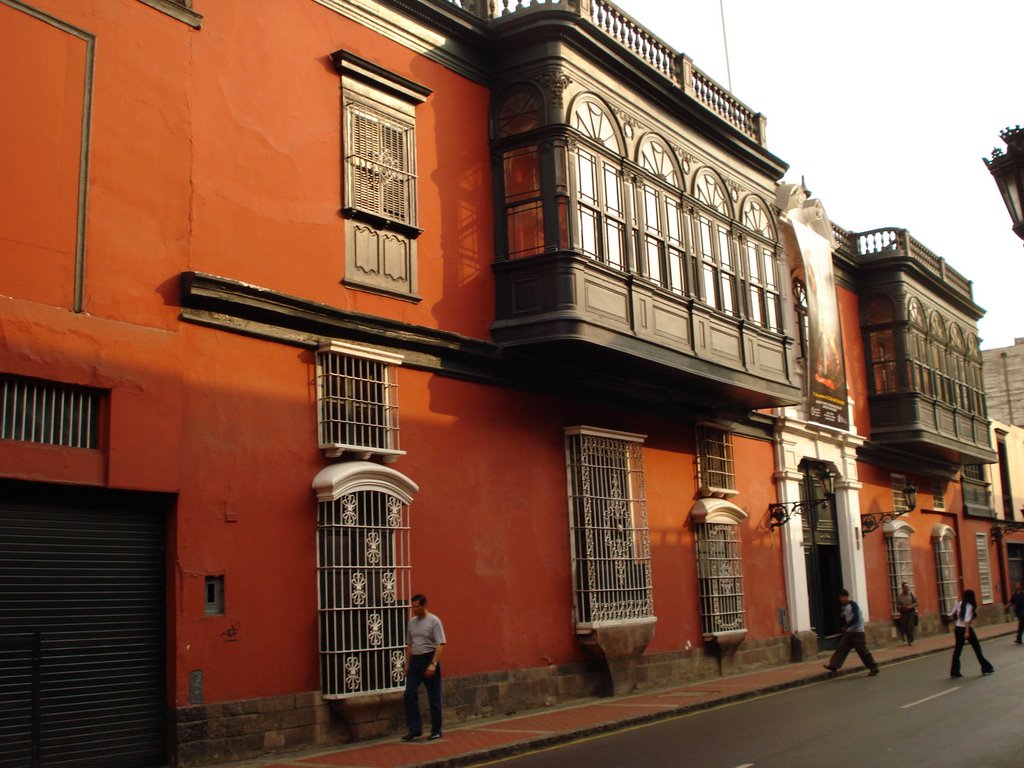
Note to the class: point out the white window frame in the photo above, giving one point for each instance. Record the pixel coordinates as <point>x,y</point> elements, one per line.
<point>984,569</point>
<point>716,532</point>
<point>357,401</point>
<point>899,560</point>
<point>716,467</point>
<point>946,580</point>
<point>364,577</point>
<point>609,537</point>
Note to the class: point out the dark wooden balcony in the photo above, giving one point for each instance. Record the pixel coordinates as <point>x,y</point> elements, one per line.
<point>915,422</point>
<point>572,311</point>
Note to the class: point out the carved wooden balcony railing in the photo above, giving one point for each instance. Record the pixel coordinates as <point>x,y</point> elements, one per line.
<point>634,37</point>
<point>890,241</point>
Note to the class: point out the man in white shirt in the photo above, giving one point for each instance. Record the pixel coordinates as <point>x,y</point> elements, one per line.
<point>425,643</point>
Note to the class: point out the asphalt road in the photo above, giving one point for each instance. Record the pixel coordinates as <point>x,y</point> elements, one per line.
<point>912,714</point>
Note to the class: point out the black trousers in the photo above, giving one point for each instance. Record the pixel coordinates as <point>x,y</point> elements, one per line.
<point>417,675</point>
<point>857,642</point>
<point>960,634</point>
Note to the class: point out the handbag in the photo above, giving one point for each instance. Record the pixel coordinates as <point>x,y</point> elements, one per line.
<point>917,619</point>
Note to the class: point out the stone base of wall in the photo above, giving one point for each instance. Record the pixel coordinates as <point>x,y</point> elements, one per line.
<point>238,730</point>
<point>247,729</point>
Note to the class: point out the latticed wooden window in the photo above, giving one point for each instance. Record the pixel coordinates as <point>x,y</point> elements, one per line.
<point>357,400</point>
<point>901,567</point>
<point>364,587</point>
<point>720,573</point>
<point>609,535</point>
<point>381,171</point>
<point>984,568</point>
<point>945,572</point>
<point>899,496</point>
<point>716,471</point>
<point>50,413</point>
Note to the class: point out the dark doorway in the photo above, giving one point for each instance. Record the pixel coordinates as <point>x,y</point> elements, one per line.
<point>1015,563</point>
<point>821,555</point>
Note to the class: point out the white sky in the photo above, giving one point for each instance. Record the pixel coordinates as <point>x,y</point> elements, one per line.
<point>886,108</point>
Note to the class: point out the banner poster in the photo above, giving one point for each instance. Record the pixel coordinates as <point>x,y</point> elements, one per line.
<point>827,393</point>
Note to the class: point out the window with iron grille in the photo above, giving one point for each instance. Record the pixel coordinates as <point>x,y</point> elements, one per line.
<point>380,177</point>
<point>364,586</point>
<point>938,494</point>
<point>608,522</point>
<point>899,498</point>
<point>720,573</point>
<point>901,567</point>
<point>945,571</point>
<point>984,568</point>
<point>46,412</point>
<point>716,474</point>
<point>357,401</point>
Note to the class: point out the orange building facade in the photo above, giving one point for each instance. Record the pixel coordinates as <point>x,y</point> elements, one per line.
<point>311,306</point>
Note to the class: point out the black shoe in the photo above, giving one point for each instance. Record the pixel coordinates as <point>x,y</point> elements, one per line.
<point>832,671</point>
<point>410,736</point>
<point>873,672</point>
<point>434,737</point>
<point>1016,642</point>
<point>987,671</point>
<point>956,675</point>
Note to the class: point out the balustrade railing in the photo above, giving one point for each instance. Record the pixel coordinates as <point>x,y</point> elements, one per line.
<point>634,37</point>
<point>901,241</point>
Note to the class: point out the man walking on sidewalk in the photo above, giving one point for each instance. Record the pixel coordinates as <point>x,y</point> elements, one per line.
<point>852,637</point>
<point>426,641</point>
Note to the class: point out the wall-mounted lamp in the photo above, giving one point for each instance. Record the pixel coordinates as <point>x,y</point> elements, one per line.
<point>872,520</point>
<point>780,514</point>
<point>1007,527</point>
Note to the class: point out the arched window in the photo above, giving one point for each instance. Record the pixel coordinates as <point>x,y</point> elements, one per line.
<point>879,314</point>
<point>898,554</point>
<point>800,306</point>
<point>762,273</point>
<point>714,245</point>
<point>945,567</point>
<point>518,113</point>
<point>663,258</point>
<point>364,576</point>
<point>600,199</point>
<point>521,177</point>
<point>716,529</point>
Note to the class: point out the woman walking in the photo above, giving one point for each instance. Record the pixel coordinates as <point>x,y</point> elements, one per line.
<point>964,612</point>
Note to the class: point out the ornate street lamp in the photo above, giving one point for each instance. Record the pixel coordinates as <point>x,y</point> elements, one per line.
<point>873,520</point>
<point>1007,168</point>
<point>779,513</point>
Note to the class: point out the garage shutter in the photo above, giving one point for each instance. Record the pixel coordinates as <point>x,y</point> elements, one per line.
<point>90,582</point>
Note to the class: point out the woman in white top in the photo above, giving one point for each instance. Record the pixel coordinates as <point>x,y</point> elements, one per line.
<point>964,612</point>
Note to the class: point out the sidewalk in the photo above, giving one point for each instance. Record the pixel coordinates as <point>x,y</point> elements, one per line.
<point>482,740</point>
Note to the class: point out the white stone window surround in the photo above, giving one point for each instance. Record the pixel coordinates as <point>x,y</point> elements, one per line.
<point>899,557</point>
<point>357,401</point>
<point>719,567</point>
<point>364,577</point>
<point>946,580</point>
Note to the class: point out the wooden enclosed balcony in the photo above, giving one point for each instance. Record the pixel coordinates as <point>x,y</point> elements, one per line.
<point>573,311</point>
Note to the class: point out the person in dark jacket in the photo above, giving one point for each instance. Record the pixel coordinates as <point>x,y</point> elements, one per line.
<point>1016,604</point>
<point>852,637</point>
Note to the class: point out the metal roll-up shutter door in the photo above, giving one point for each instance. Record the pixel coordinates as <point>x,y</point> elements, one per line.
<point>88,584</point>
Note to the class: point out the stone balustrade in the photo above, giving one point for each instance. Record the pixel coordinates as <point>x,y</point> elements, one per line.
<point>634,37</point>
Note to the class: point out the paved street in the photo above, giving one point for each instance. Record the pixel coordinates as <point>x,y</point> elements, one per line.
<point>788,715</point>
<point>913,714</point>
